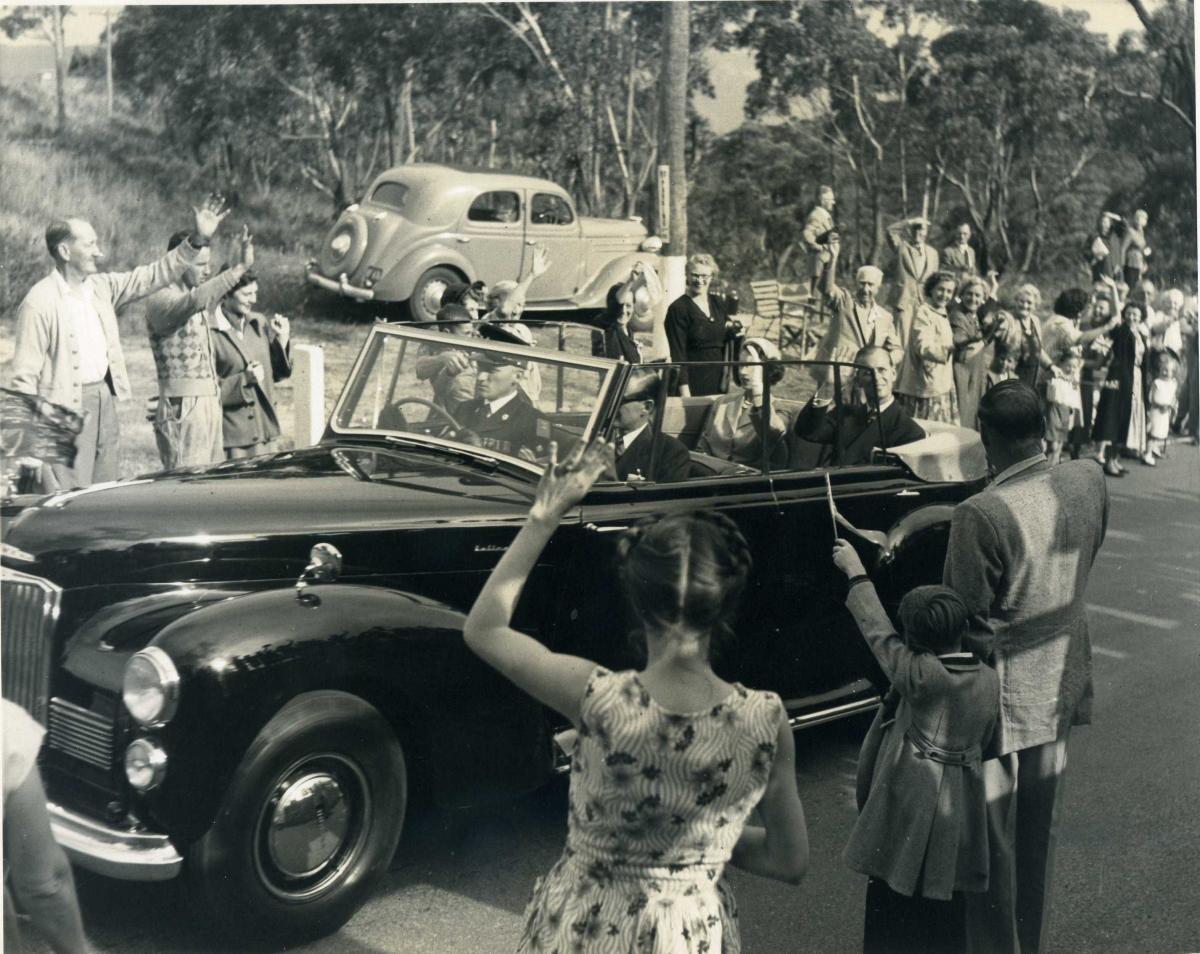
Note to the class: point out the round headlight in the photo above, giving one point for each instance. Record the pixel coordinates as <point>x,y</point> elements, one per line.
<point>150,688</point>
<point>340,244</point>
<point>145,764</point>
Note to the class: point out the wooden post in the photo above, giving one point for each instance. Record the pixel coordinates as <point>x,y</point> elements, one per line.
<point>308,393</point>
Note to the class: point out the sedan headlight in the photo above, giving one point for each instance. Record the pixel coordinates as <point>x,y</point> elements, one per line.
<point>652,243</point>
<point>340,244</point>
<point>150,688</point>
<point>145,764</point>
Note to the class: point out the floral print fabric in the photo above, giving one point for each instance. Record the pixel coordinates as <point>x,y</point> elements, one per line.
<point>657,802</point>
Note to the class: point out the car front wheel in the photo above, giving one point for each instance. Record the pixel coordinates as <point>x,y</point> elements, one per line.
<point>427,293</point>
<point>311,820</point>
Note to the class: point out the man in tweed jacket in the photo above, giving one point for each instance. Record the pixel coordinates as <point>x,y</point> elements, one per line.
<point>1020,553</point>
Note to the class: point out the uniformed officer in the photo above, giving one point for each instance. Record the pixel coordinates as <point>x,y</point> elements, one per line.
<point>502,417</point>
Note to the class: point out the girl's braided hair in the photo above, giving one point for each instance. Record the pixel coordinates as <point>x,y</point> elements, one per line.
<point>687,570</point>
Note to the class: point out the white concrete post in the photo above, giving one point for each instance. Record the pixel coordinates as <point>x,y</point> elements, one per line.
<point>308,390</point>
<point>670,270</point>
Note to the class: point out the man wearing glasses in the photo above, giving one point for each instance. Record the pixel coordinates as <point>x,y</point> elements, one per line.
<point>643,453</point>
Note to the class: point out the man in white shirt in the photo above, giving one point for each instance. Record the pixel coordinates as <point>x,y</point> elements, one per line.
<point>502,418</point>
<point>960,257</point>
<point>67,345</point>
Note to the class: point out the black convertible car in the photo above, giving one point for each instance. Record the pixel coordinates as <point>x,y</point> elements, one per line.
<point>247,673</point>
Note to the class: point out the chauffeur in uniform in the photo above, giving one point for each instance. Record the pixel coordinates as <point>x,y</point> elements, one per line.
<point>501,417</point>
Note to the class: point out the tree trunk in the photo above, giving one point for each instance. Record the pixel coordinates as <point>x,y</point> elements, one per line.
<point>108,64</point>
<point>493,135</point>
<point>60,68</point>
<point>406,112</point>
<point>391,116</point>
<point>674,79</point>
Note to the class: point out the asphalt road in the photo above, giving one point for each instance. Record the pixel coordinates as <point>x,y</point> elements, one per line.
<point>1128,874</point>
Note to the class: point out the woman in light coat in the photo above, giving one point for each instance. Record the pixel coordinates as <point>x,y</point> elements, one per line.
<point>925,386</point>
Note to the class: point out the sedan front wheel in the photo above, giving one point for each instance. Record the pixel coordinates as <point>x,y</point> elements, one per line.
<point>311,820</point>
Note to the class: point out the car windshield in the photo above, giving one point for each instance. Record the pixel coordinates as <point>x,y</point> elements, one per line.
<point>455,388</point>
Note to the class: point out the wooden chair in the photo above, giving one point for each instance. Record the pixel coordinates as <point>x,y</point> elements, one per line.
<point>801,319</point>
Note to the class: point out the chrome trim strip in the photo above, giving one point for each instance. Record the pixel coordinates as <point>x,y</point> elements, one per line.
<point>127,855</point>
<point>28,625</point>
<point>837,712</point>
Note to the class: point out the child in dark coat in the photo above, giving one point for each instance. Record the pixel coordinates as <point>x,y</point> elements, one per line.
<point>921,836</point>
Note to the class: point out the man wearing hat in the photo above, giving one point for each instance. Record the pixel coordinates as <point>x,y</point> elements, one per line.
<point>915,263</point>
<point>856,318</point>
<point>501,418</point>
<point>642,452</point>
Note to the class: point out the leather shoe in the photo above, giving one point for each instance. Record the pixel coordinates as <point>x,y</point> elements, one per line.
<point>1113,469</point>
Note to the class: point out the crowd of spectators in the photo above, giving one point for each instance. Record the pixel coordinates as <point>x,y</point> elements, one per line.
<point>970,713</point>
<point>1114,365</point>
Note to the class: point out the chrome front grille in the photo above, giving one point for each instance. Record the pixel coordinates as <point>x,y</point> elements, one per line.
<point>77,732</point>
<point>28,613</point>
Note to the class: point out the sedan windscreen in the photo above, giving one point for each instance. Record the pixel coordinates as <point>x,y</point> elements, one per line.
<point>457,387</point>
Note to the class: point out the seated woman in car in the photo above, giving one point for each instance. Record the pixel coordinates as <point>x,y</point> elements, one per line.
<point>734,427</point>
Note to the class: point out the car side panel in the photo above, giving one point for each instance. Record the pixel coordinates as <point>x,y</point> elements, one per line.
<point>400,278</point>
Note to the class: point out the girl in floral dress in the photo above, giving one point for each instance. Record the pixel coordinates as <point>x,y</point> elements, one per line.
<point>669,761</point>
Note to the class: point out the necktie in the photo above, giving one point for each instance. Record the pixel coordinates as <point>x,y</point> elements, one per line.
<point>620,445</point>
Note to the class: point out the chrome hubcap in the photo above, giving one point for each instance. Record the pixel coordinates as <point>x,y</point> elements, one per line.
<point>431,296</point>
<point>312,827</point>
<point>308,826</point>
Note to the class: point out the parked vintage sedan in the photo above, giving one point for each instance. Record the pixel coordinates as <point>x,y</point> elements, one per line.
<point>423,226</point>
<point>248,672</point>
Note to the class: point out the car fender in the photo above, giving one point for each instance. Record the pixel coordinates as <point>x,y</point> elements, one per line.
<point>241,660</point>
<point>398,281</point>
<point>916,550</point>
<point>595,293</point>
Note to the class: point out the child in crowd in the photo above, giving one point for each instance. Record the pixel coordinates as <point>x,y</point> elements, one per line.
<point>921,836</point>
<point>1163,396</point>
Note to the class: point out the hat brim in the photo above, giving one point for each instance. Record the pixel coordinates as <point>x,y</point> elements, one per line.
<point>496,332</point>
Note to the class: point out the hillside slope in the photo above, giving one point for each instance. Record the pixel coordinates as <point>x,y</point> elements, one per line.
<point>122,176</point>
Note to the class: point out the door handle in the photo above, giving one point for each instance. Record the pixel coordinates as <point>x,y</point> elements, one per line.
<point>909,493</point>
<point>531,241</point>
<point>613,528</point>
<point>464,239</point>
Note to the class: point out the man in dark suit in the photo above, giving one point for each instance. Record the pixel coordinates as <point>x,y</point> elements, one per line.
<point>501,418</point>
<point>1019,555</point>
<point>642,452</point>
<point>850,432</point>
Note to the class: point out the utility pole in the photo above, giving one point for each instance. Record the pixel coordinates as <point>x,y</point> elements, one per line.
<point>673,90</point>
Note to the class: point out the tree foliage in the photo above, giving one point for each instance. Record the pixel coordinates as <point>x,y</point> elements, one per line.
<point>1008,114</point>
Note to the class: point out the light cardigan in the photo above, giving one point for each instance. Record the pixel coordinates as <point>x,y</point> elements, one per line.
<point>47,353</point>
<point>927,369</point>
